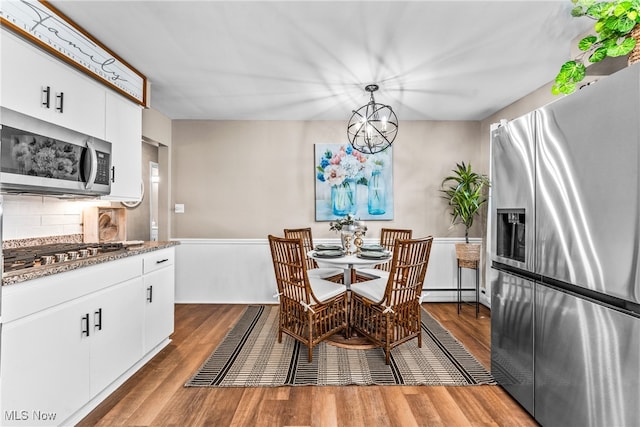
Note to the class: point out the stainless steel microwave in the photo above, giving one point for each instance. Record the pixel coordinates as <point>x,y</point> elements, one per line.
<point>38,157</point>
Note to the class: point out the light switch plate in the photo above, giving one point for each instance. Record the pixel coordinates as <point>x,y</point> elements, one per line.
<point>179,208</point>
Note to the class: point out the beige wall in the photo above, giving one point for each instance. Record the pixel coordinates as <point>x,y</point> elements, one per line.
<point>156,126</point>
<point>246,179</point>
<point>156,129</point>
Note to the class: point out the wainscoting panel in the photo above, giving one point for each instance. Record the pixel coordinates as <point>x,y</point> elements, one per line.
<point>239,271</point>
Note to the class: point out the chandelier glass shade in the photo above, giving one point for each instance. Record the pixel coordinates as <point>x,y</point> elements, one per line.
<point>372,127</point>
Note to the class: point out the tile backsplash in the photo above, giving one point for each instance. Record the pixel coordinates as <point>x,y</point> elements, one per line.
<point>38,216</point>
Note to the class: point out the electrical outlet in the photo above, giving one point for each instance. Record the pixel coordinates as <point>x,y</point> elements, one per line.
<point>179,208</point>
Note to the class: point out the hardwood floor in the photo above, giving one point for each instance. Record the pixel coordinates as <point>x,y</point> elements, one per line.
<point>155,395</point>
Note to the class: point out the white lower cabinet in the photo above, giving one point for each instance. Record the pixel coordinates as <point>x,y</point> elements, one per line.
<point>159,297</point>
<point>57,359</point>
<point>116,327</point>
<point>69,337</point>
<point>45,366</point>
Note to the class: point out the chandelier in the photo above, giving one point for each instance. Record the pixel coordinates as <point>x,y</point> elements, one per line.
<point>372,127</point>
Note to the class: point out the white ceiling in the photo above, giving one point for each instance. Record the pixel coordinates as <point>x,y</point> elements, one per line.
<point>310,60</point>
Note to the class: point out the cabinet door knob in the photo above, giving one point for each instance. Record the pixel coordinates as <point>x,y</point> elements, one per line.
<point>150,294</point>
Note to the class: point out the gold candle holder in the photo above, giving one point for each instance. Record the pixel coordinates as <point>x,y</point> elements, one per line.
<point>358,240</point>
<point>347,244</point>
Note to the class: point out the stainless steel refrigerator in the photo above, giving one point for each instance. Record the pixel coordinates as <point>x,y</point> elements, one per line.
<point>566,256</point>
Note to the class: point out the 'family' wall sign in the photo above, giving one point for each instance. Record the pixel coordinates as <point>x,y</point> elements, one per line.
<point>48,28</point>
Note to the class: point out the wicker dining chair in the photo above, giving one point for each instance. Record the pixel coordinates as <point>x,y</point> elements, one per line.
<point>388,237</point>
<point>388,311</point>
<point>311,309</point>
<point>313,270</point>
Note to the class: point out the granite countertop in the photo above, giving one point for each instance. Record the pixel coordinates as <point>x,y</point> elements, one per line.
<point>19,276</point>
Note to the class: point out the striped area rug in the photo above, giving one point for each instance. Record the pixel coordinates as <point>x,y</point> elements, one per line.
<point>250,356</point>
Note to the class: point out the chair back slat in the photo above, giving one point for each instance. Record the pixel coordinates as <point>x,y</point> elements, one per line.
<point>307,242</point>
<point>408,270</point>
<point>388,237</point>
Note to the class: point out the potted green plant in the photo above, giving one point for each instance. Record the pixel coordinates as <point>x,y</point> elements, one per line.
<point>614,36</point>
<point>465,194</point>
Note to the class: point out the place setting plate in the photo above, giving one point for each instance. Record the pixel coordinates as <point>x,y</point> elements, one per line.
<point>372,248</point>
<point>324,247</point>
<point>374,255</point>
<point>329,253</point>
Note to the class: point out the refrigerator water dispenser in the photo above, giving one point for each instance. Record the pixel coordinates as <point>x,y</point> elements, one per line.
<point>511,234</point>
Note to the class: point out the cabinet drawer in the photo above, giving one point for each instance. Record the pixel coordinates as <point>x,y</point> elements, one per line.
<point>157,260</point>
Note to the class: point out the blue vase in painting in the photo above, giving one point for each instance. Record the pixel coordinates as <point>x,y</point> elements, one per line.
<point>343,198</point>
<point>377,195</point>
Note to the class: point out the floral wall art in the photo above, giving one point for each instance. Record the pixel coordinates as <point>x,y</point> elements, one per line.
<point>349,182</point>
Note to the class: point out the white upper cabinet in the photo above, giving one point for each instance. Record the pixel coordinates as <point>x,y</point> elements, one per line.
<point>124,132</point>
<point>39,85</point>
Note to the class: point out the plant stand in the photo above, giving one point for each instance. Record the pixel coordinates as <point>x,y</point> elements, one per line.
<point>468,257</point>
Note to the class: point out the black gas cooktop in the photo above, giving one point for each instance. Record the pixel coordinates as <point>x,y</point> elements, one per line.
<point>55,253</point>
